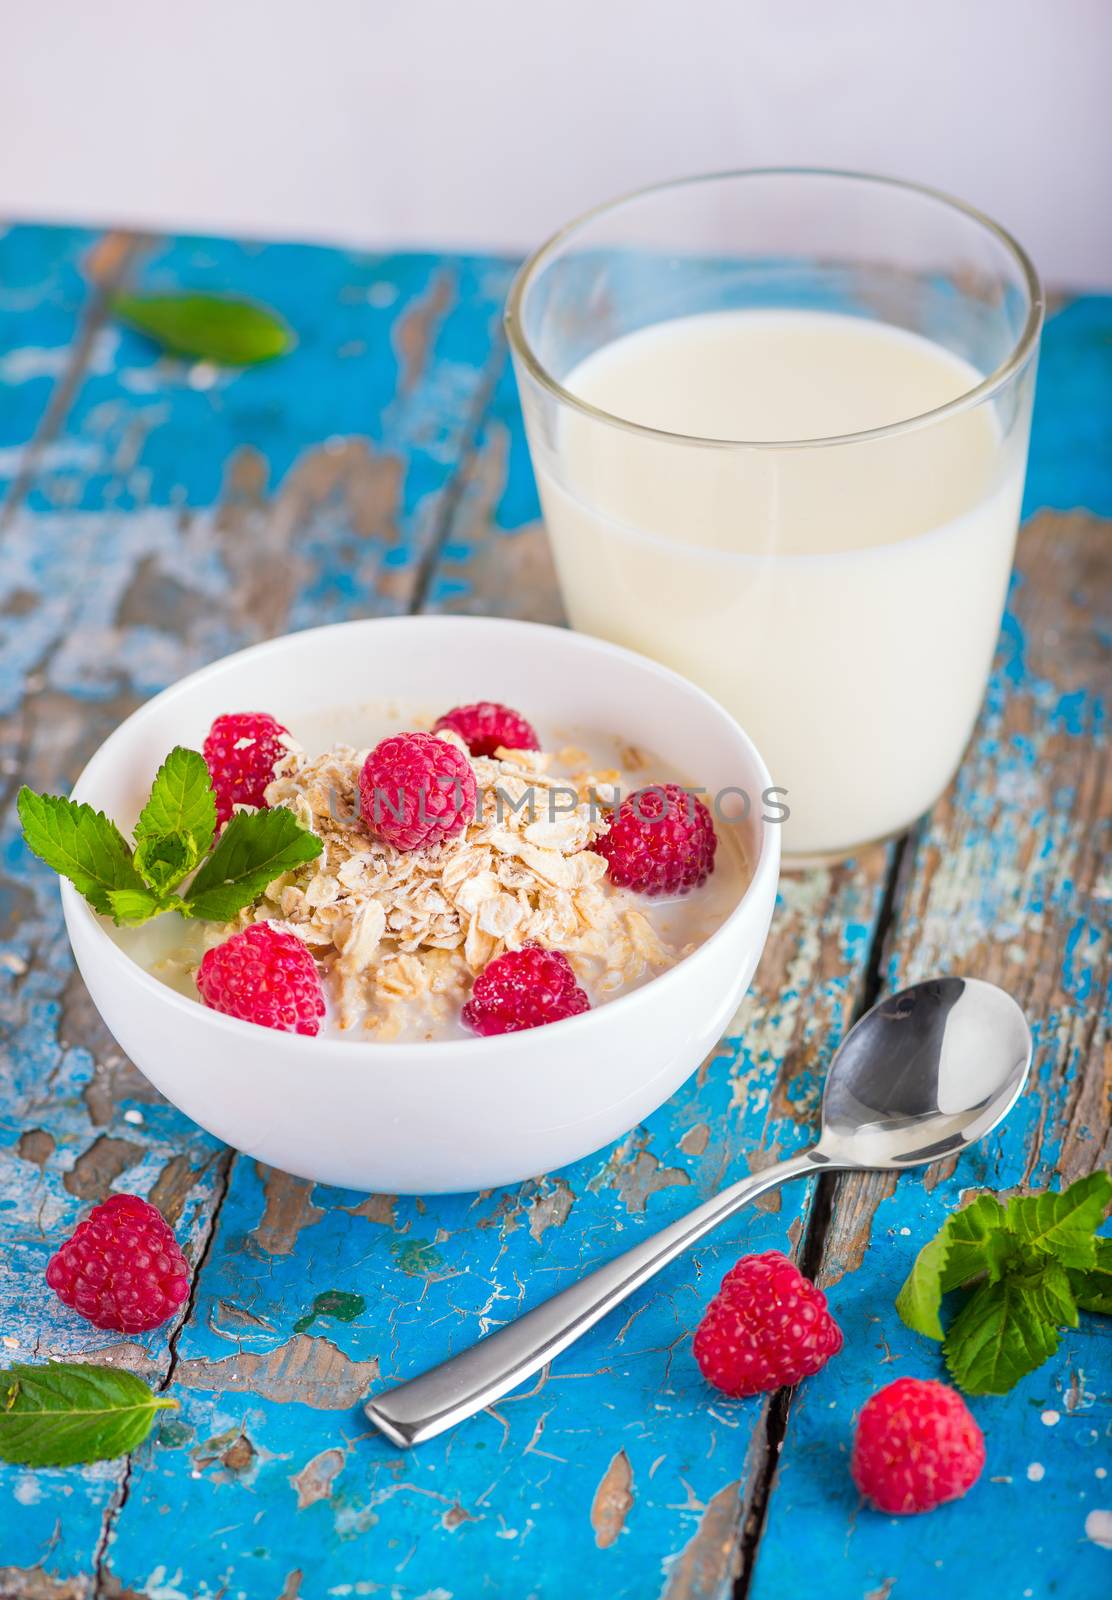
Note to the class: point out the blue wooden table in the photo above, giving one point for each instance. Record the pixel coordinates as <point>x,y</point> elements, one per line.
<point>156,514</point>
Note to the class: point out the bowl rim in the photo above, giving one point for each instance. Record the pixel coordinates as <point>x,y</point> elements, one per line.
<point>422,1051</point>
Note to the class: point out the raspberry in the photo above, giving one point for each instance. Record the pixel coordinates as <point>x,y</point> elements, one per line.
<point>486,725</point>
<point>766,1327</point>
<point>263,975</point>
<point>524,989</point>
<point>661,841</point>
<point>415,790</point>
<point>121,1268</point>
<point>916,1446</point>
<point>240,771</point>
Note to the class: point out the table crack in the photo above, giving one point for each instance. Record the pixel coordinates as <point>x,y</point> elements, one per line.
<point>769,1436</point>
<point>456,486</point>
<point>103,1584</point>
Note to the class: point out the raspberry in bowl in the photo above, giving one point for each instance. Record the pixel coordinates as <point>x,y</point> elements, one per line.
<point>428,1071</point>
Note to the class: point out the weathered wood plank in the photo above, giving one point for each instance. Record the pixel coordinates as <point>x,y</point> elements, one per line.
<point>78,295</point>
<point>195,512</point>
<point>1071,441</point>
<point>496,560</point>
<point>1008,880</point>
<point>113,584</point>
<point>49,303</point>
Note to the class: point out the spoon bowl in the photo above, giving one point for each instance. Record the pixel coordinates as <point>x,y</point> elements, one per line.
<point>923,1074</point>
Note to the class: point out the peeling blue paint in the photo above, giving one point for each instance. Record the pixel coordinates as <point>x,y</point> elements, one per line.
<point>504,1504</point>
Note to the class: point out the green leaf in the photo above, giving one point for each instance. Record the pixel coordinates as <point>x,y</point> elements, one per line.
<point>219,328</point>
<point>919,1301</point>
<point>997,1338</point>
<point>255,848</point>
<point>1049,1292</point>
<point>181,802</point>
<point>1062,1225</point>
<point>1092,1288</point>
<point>129,907</point>
<point>80,844</point>
<point>977,1242</point>
<point>970,1242</point>
<point>64,1413</point>
<point>1038,1262</point>
<point>162,862</point>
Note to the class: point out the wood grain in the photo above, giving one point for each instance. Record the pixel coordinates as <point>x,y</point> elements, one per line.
<point>168,513</point>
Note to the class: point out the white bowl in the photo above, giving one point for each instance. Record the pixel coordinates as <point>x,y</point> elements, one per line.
<point>458,1114</point>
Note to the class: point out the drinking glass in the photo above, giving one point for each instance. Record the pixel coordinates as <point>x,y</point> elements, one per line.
<point>840,594</point>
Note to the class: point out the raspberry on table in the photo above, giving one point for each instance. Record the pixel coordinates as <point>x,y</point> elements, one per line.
<point>916,1447</point>
<point>121,1268</point>
<point>241,752</point>
<point>485,726</point>
<point>263,975</point>
<point>661,841</point>
<point>766,1327</point>
<point>524,989</point>
<point>416,790</point>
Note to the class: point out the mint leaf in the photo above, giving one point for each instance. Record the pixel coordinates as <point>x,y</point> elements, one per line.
<point>80,844</point>
<point>255,848</point>
<point>920,1299</point>
<point>1062,1225</point>
<point>164,861</point>
<point>970,1242</point>
<point>976,1241</point>
<point>997,1338</point>
<point>129,907</point>
<point>231,332</point>
<point>181,803</point>
<point>1092,1289</point>
<point>1049,1293</point>
<point>65,1413</point>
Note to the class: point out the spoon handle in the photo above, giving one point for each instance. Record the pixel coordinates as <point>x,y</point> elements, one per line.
<point>464,1384</point>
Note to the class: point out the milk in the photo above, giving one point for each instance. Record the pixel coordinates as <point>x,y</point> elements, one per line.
<point>842,600</point>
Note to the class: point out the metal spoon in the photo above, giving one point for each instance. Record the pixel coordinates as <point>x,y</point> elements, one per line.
<point>921,1076</point>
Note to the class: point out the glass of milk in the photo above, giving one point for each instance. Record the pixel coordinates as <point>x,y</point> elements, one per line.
<point>779,423</point>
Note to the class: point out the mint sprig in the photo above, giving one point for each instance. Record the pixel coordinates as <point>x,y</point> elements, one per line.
<point>1029,1268</point>
<point>70,1412</point>
<point>173,839</point>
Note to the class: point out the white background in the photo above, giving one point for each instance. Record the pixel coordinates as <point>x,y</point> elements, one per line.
<point>486,124</point>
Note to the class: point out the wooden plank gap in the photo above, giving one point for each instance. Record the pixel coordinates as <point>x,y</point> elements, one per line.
<point>454,489</point>
<point>107,266</point>
<point>105,1586</point>
<point>819,1212</point>
<point>874,983</point>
